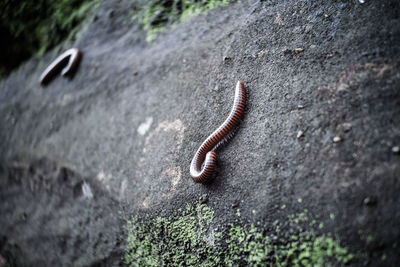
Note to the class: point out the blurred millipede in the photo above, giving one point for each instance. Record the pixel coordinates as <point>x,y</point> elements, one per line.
<point>71,56</point>
<point>203,162</point>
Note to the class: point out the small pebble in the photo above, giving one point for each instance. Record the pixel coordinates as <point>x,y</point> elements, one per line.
<point>329,56</point>
<point>203,199</point>
<point>235,204</point>
<point>24,216</point>
<point>346,126</point>
<point>337,139</point>
<point>299,50</point>
<point>369,201</point>
<point>110,13</point>
<point>300,134</point>
<point>396,149</point>
<point>86,191</point>
<point>300,106</point>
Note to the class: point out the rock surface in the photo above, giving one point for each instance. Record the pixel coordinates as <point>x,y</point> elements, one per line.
<point>119,136</point>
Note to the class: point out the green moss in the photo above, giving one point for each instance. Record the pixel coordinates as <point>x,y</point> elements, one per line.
<point>188,238</point>
<point>288,245</point>
<point>370,238</point>
<point>238,212</point>
<point>162,241</point>
<point>156,15</point>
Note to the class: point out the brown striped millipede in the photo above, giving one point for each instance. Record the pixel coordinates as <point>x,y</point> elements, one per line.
<point>70,57</point>
<point>203,162</point>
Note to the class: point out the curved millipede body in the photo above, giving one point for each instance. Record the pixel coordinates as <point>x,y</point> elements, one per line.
<point>203,162</point>
<point>70,58</point>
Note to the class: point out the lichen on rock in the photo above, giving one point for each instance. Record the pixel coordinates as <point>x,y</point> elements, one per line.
<point>156,15</point>
<point>185,238</point>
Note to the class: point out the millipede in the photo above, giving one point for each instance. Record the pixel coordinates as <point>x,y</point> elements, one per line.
<point>70,57</point>
<point>203,162</point>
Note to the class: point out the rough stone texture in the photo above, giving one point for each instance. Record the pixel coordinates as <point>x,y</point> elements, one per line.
<point>55,216</point>
<point>132,117</point>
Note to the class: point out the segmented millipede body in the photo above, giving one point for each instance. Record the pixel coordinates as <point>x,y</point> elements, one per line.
<point>203,162</point>
<point>70,58</point>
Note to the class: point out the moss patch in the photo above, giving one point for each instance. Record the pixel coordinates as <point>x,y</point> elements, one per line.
<point>164,242</point>
<point>155,15</point>
<point>189,237</point>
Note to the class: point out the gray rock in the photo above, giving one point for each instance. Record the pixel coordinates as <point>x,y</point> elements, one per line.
<point>95,127</point>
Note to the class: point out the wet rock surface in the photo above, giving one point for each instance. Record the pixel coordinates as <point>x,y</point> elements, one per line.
<point>53,216</point>
<point>130,120</point>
